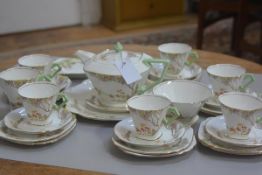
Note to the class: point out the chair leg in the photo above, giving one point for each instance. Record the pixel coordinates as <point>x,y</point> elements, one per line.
<point>241,21</point>
<point>261,40</point>
<point>233,34</point>
<point>200,29</point>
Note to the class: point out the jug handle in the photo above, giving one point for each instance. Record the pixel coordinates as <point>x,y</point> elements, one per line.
<point>149,62</point>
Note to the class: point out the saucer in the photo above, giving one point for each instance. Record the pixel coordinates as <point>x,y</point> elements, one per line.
<point>126,149</point>
<point>71,67</point>
<point>185,142</point>
<point>77,96</point>
<point>93,102</point>
<point>188,73</point>
<point>35,139</point>
<point>205,139</point>
<point>63,82</point>
<point>55,139</point>
<point>16,120</point>
<point>213,103</point>
<point>188,122</point>
<point>216,128</point>
<point>211,111</point>
<point>125,131</point>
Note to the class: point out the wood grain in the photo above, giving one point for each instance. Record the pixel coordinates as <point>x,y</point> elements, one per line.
<point>11,167</point>
<point>206,58</point>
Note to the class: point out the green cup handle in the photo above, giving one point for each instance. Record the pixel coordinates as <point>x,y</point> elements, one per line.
<point>247,80</point>
<point>55,68</point>
<point>172,115</point>
<point>194,57</point>
<point>42,77</point>
<point>257,119</point>
<point>60,101</point>
<point>149,62</point>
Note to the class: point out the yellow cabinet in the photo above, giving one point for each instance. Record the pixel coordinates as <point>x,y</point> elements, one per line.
<point>127,14</point>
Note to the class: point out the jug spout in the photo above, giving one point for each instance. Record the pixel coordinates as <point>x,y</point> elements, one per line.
<point>84,55</point>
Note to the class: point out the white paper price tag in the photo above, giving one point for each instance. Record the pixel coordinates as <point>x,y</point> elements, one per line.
<point>128,70</point>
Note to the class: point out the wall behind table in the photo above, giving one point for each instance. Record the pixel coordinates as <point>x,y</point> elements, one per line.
<point>27,15</point>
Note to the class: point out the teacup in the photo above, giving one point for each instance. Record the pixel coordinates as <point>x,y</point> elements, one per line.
<point>39,100</point>
<point>186,95</point>
<point>41,62</point>
<point>12,78</point>
<point>148,112</point>
<point>241,112</point>
<point>177,54</point>
<point>228,77</point>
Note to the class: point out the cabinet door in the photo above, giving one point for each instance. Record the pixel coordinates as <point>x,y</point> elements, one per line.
<point>134,9</point>
<point>166,7</point>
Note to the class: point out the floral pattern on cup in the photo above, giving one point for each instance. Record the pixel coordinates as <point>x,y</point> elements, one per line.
<point>177,63</point>
<point>239,118</point>
<point>237,123</point>
<point>39,100</point>
<point>225,84</point>
<point>228,77</point>
<point>152,118</point>
<point>177,54</point>
<point>39,109</point>
<point>148,112</point>
<point>12,78</point>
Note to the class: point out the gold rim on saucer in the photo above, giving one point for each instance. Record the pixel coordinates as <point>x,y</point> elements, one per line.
<point>93,102</point>
<point>205,109</point>
<point>207,141</point>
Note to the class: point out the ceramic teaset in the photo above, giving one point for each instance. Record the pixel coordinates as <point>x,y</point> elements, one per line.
<point>37,114</point>
<point>107,96</point>
<point>155,101</point>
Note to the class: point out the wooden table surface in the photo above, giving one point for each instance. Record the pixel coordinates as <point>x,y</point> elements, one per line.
<point>206,58</point>
<point>10,167</point>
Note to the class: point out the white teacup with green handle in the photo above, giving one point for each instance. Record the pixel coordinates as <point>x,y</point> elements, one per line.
<point>177,54</point>
<point>242,111</point>
<point>39,100</point>
<point>228,77</point>
<point>12,78</point>
<point>43,63</point>
<point>148,113</point>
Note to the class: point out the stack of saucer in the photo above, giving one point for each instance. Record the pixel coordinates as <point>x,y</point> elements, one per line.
<point>172,141</point>
<point>213,134</point>
<point>211,107</point>
<point>16,128</point>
